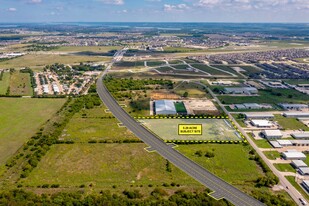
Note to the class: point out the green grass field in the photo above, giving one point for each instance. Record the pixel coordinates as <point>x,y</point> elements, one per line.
<point>290,123</point>
<point>272,155</point>
<point>181,66</point>
<point>230,162</point>
<point>297,81</point>
<point>262,143</point>
<point>41,60</point>
<point>105,165</point>
<point>284,167</point>
<point>208,69</point>
<point>155,63</point>
<point>226,68</point>
<point>20,84</point>
<point>95,124</point>
<point>266,96</point>
<point>213,129</point>
<point>250,69</point>
<point>194,90</point>
<point>4,83</point>
<point>20,118</point>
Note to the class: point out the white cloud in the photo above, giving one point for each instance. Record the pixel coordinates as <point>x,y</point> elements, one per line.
<point>253,4</point>
<point>177,7</point>
<point>11,9</point>
<point>35,1</point>
<point>114,2</point>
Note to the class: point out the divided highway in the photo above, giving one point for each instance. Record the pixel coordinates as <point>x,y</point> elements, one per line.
<point>221,188</point>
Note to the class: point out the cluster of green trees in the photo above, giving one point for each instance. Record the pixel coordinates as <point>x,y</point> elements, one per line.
<point>1,75</point>
<point>269,179</point>
<point>116,85</point>
<point>38,47</point>
<point>32,78</point>
<point>208,154</point>
<point>86,67</point>
<point>157,197</point>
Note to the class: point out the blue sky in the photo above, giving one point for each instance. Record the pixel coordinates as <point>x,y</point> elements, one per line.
<point>154,10</point>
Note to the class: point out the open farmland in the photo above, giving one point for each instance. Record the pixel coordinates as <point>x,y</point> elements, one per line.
<point>4,83</point>
<point>107,166</point>
<point>40,60</point>
<point>95,125</point>
<point>20,84</point>
<point>20,118</point>
<point>87,48</point>
<point>213,129</point>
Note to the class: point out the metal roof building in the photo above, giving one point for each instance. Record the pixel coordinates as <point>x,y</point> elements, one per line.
<point>165,107</point>
<point>255,115</point>
<point>272,134</point>
<point>261,123</point>
<point>293,106</point>
<point>240,90</point>
<point>302,135</point>
<point>296,114</point>
<point>304,170</point>
<point>298,163</point>
<point>293,155</point>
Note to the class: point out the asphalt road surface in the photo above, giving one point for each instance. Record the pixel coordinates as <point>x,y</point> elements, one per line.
<point>221,188</point>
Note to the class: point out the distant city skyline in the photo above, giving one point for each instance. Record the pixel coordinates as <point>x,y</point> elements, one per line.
<point>284,11</point>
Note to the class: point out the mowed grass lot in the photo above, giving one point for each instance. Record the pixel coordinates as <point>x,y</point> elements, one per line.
<point>4,83</point>
<point>19,120</point>
<point>272,155</point>
<point>284,167</point>
<point>41,60</point>
<point>290,123</point>
<point>95,124</point>
<point>105,165</point>
<point>213,129</point>
<point>20,84</point>
<point>230,162</point>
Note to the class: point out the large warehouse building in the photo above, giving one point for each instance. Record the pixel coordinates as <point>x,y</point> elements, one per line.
<point>165,107</point>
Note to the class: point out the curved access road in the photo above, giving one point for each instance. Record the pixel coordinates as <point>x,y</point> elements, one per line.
<point>221,188</point>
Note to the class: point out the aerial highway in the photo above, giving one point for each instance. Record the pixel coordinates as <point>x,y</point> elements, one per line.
<point>220,188</point>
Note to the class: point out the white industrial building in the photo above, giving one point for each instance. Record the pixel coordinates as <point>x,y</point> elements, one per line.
<point>303,170</point>
<point>255,115</point>
<point>293,155</point>
<point>285,143</point>
<point>293,106</point>
<point>301,135</point>
<point>300,143</point>
<point>298,164</point>
<point>272,134</point>
<point>261,123</point>
<point>296,114</point>
<point>240,90</point>
<point>165,107</point>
